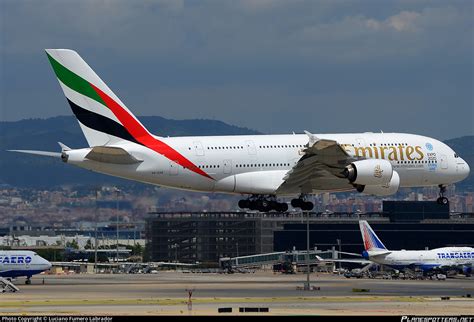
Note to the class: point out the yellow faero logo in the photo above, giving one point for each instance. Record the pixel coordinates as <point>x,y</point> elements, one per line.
<point>378,172</point>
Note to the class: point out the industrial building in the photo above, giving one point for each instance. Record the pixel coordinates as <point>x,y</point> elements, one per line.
<point>207,237</point>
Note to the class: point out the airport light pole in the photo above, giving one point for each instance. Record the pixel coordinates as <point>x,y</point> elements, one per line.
<point>307,285</point>
<point>117,191</point>
<point>96,241</point>
<point>175,257</point>
<point>339,253</point>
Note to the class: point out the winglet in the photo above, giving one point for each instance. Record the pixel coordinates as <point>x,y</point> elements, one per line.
<point>64,147</point>
<point>312,138</point>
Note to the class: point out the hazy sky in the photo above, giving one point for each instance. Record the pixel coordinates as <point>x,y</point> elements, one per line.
<point>272,65</point>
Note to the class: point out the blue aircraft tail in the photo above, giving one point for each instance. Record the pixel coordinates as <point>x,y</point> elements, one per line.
<point>371,241</point>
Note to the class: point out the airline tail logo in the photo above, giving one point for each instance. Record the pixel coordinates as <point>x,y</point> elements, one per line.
<point>371,241</point>
<point>102,116</point>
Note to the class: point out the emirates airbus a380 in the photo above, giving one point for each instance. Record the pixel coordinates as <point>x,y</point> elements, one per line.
<point>264,167</point>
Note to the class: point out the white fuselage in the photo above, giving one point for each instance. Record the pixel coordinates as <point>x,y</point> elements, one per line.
<point>17,263</point>
<point>426,259</point>
<point>257,164</point>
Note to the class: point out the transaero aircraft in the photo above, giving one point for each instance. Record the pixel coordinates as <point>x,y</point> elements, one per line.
<point>264,167</point>
<point>439,259</point>
<point>17,263</point>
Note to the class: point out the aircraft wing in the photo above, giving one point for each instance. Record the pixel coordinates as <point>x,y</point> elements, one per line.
<point>319,169</point>
<point>109,154</point>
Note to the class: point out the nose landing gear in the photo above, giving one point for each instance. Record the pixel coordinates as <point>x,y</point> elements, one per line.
<point>442,200</point>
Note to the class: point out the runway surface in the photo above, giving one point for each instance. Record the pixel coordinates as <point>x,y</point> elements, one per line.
<point>167,293</point>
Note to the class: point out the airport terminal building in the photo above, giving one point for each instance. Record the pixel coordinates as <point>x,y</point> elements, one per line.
<point>206,237</point>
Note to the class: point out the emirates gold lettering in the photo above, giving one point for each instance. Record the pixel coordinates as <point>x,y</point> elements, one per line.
<point>409,151</point>
<point>420,153</point>
<point>392,153</point>
<point>400,148</point>
<point>363,152</point>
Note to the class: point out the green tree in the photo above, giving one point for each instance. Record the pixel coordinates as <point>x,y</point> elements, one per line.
<point>137,250</point>
<point>72,244</point>
<point>88,244</point>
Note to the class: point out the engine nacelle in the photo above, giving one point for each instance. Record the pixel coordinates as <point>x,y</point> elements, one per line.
<point>388,189</point>
<point>370,172</point>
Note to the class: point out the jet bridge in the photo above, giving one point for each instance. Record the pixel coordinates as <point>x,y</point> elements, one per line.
<point>296,257</point>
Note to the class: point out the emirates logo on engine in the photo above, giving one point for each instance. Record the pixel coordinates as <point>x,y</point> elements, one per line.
<point>378,171</point>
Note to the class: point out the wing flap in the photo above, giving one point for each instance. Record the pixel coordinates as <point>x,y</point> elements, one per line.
<point>319,169</point>
<point>108,154</point>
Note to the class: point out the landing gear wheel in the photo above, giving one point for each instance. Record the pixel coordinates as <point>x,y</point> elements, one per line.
<point>300,203</point>
<point>253,205</point>
<point>281,207</point>
<point>442,201</point>
<point>263,203</point>
<point>296,203</point>
<point>28,281</point>
<point>307,206</point>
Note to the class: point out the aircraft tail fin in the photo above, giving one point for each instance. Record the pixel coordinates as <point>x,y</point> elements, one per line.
<point>371,241</point>
<point>103,118</point>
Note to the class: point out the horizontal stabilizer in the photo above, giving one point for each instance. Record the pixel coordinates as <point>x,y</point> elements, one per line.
<point>375,253</point>
<point>42,153</point>
<point>108,154</point>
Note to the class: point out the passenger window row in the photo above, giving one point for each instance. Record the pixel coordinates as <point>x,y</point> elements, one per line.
<point>389,144</point>
<point>258,165</point>
<point>415,161</point>
<point>280,146</point>
<point>208,166</point>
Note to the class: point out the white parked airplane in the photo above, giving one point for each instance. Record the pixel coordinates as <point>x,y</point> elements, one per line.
<point>442,259</point>
<point>17,263</point>
<point>262,166</point>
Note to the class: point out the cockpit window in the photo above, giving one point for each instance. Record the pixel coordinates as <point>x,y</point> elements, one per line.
<point>456,156</point>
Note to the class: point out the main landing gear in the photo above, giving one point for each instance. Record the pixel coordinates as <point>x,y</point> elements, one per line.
<point>263,204</point>
<point>269,203</point>
<point>28,280</point>
<point>303,204</point>
<point>442,200</point>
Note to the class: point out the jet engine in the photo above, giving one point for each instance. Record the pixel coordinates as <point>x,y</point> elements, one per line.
<point>370,172</point>
<point>382,190</point>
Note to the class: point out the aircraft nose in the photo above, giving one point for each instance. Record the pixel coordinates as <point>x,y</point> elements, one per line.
<point>465,170</point>
<point>47,264</point>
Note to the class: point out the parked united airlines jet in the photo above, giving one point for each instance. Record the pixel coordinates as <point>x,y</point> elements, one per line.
<point>262,166</point>
<point>443,259</point>
<point>17,263</point>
